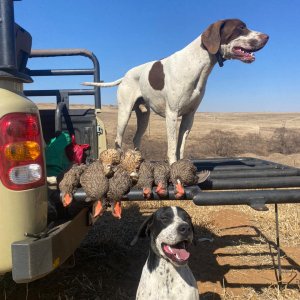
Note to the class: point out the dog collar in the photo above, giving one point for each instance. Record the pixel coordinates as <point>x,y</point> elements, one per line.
<point>220,59</point>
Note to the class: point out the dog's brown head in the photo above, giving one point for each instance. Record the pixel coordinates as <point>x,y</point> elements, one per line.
<point>231,39</point>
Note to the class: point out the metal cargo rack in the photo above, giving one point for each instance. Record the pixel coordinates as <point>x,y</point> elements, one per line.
<point>238,181</point>
<point>81,122</point>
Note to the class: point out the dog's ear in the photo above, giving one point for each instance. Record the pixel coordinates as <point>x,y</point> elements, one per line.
<point>144,230</point>
<point>211,37</point>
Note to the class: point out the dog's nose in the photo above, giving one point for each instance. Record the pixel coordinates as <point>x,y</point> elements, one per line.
<point>184,229</point>
<point>264,37</point>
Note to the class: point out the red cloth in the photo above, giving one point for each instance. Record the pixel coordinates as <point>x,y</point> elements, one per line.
<point>76,152</point>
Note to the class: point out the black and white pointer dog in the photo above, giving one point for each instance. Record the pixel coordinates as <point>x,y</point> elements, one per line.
<point>173,87</point>
<point>166,274</point>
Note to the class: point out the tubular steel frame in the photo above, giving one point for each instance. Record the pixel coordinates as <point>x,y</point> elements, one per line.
<point>95,71</point>
<point>238,181</point>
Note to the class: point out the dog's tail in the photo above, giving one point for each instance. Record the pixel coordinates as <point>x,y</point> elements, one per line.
<point>104,84</point>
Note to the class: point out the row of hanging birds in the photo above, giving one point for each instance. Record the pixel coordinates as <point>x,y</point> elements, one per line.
<point>106,180</point>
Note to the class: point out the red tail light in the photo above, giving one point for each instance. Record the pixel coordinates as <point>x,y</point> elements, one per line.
<point>22,162</point>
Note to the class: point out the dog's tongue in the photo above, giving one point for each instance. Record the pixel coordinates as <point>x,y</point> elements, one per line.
<point>178,253</point>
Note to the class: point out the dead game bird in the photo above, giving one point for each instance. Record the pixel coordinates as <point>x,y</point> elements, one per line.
<point>95,184</point>
<point>161,175</point>
<point>126,174</point>
<point>146,178</point>
<point>119,185</point>
<point>109,159</point>
<point>184,173</point>
<point>131,161</point>
<point>95,180</point>
<point>70,182</point>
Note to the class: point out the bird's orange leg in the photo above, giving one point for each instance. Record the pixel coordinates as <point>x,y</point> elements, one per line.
<point>117,209</point>
<point>97,209</point>
<point>179,190</point>
<point>147,193</point>
<point>67,199</point>
<point>161,190</point>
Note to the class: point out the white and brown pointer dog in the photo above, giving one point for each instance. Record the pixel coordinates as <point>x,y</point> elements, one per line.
<point>166,275</point>
<point>174,86</point>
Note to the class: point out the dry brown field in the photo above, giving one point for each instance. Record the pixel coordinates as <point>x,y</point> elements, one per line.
<point>238,262</point>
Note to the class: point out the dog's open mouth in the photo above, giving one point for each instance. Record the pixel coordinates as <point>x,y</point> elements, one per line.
<point>244,54</point>
<point>177,253</point>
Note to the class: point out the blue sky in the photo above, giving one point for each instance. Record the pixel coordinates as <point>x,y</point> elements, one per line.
<point>123,34</point>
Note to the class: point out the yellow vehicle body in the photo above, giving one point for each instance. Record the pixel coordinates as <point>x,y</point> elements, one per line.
<point>20,211</point>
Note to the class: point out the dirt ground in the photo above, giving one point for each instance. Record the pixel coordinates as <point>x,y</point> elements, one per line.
<point>238,260</point>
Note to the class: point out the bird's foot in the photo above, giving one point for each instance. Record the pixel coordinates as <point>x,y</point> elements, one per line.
<point>161,190</point>
<point>147,193</point>
<point>97,209</point>
<point>179,191</point>
<point>117,209</point>
<point>67,200</point>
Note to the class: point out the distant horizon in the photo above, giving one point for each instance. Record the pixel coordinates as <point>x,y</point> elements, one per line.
<point>115,106</point>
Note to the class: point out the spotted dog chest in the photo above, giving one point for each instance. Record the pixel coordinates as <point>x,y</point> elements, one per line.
<point>167,282</point>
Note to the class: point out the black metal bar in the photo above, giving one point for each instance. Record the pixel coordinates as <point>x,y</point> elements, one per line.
<point>238,161</point>
<point>247,197</point>
<point>58,115</point>
<point>56,93</point>
<point>204,198</point>
<point>254,173</point>
<point>237,164</point>
<point>62,72</point>
<point>7,36</point>
<point>278,245</point>
<point>137,195</point>
<point>229,160</point>
<point>278,165</point>
<point>75,52</point>
<point>217,167</point>
<point>251,183</point>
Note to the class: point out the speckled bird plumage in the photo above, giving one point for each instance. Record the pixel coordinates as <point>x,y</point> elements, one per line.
<point>94,182</point>
<point>184,171</point>
<point>145,178</point>
<point>70,180</point>
<point>161,175</point>
<point>131,160</point>
<point>109,159</point>
<point>123,178</point>
<point>119,184</point>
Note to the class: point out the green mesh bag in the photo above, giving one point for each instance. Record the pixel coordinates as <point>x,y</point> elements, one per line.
<point>56,159</point>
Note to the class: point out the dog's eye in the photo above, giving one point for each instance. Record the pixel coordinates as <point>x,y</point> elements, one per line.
<point>165,218</point>
<point>242,27</point>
